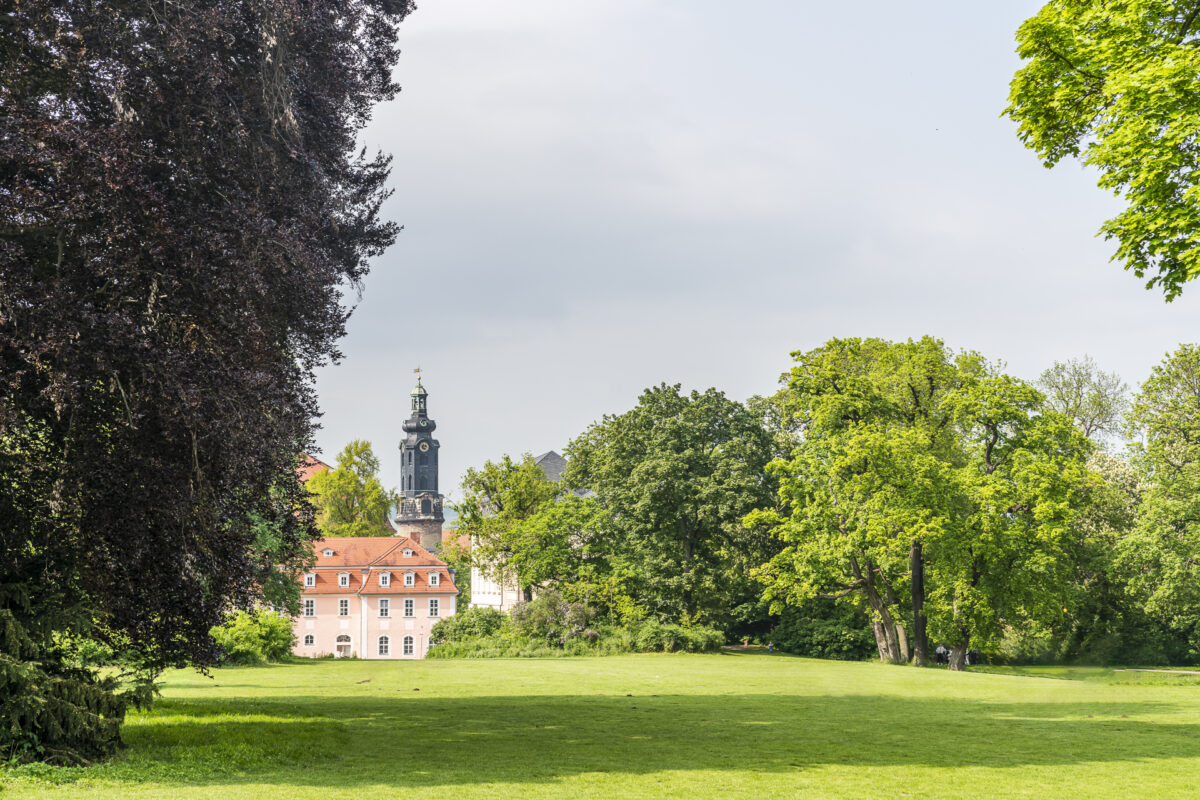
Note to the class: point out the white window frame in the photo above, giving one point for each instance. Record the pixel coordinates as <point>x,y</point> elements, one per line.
<point>327,553</point>
<point>385,607</point>
<point>343,607</point>
<point>310,580</point>
<point>309,640</point>
<point>384,645</point>
<point>408,553</point>
<point>410,607</point>
<point>435,607</point>
<point>410,579</point>
<point>409,646</point>
<point>310,607</point>
<point>435,579</point>
<point>385,579</point>
<point>344,580</point>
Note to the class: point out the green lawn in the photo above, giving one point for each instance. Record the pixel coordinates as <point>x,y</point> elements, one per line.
<point>688,726</point>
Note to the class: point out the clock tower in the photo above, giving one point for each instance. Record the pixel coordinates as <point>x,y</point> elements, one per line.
<point>420,513</point>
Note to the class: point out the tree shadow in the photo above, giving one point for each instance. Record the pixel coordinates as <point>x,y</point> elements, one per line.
<point>394,737</point>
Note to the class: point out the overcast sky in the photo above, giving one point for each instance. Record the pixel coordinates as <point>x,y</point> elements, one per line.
<point>602,196</point>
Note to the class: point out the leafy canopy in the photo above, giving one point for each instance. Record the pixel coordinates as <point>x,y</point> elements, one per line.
<point>1116,83</point>
<point>350,499</point>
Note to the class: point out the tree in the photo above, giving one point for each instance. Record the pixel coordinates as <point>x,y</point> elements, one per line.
<point>1096,401</point>
<point>497,499</point>
<point>674,477</point>
<point>867,483</point>
<point>182,211</point>
<point>1117,84</point>
<point>927,476</point>
<point>350,500</point>
<point>1161,551</point>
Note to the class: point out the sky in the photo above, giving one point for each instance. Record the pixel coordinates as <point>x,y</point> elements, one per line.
<point>598,197</point>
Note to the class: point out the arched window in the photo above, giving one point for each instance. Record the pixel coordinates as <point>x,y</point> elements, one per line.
<point>343,648</point>
<point>384,644</point>
<point>408,645</point>
<point>309,640</point>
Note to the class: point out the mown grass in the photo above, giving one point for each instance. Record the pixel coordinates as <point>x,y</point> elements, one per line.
<point>645,726</point>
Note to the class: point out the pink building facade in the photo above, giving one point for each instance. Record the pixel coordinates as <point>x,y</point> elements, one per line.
<point>372,597</point>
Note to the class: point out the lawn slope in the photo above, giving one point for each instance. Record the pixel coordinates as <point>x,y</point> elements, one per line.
<point>649,726</point>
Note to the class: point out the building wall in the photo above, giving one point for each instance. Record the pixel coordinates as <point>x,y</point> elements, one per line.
<point>488,592</point>
<point>364,625</point>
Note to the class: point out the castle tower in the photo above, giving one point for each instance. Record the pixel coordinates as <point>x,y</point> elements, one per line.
<point>420,512</point>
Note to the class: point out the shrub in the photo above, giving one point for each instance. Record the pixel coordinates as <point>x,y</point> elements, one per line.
<point>653,636</point>
<point>824,629</point>
<point>470,623</point>
<point>255,637</point>
<point>551,619</point>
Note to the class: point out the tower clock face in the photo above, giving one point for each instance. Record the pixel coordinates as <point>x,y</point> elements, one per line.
<point>424,423</point>
<point>424,447</point>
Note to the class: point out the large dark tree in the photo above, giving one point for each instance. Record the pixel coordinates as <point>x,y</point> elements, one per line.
<point>181,211</point>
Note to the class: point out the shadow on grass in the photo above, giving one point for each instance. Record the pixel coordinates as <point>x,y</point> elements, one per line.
<point>399,739</point>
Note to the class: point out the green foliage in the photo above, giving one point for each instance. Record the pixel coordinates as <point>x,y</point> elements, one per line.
<point>1160,552</point>
<point>350,499</point>
<point>498,499</point>
<point>549,626</point>
<point>923,468</point>
<point>1095,401</point>
<point>255,637</point>
<point>823,629</point>
<point>672,479</point>
<point>469,623</point>
<point>1117,84</point>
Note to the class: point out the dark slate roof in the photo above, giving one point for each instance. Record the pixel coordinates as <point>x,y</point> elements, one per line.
<point>552,464</point>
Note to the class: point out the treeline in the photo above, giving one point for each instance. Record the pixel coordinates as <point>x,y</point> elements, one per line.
<point>891,497</point>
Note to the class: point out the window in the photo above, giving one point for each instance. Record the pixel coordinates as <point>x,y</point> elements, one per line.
<point>434,579</point>
<point>310,608</point>
<point>343,607</point>
<point>433,606</point>
<point>426,508</point>
<point>385,579</point>
<point>309,640</point>
<point>409,579</point>
<point>385,607</point>
<point>408,645</point>
<point>310,580</point>
<point>407,553</point>
<point>384,644</point>
<point>408,607</point>
<point>327,553</point>
<point>343,579</point>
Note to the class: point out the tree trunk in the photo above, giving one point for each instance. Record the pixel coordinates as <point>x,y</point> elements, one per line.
<point>880,640</point>
<point>958,653</point>
<point>902,639</point>
<point>920,640</point>
<point>882,615</point>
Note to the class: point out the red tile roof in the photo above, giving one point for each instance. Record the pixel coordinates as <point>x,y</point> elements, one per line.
<point>365,557</point>
<point>310,467</point>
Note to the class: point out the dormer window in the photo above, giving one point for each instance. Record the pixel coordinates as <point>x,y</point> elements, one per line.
<point>385,579</point>
<point>410,579</point>
<point>327,552</point>
<point>407,553</point>
<point>310,580</point>
<point>343,579</point>
<point>434,579</point>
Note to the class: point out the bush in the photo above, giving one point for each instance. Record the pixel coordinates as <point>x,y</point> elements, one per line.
<point>825,629</point>
<point>470,623</point>
<point>551,619</point>
<point>658,637</point>
<point>255,637</point>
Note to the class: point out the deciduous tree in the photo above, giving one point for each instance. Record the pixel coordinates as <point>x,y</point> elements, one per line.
<point>350,499</point>
<point>1117,85</point>
<point>183,205</point>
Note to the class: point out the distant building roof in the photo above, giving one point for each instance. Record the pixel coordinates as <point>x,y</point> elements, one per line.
<point>310,467</point>
<point>552,465</point>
